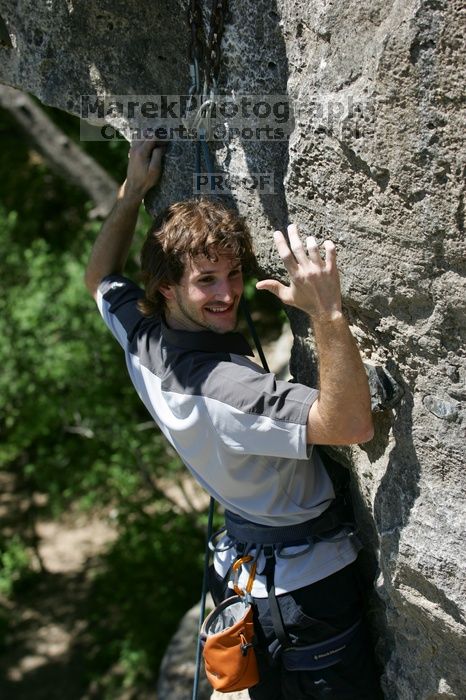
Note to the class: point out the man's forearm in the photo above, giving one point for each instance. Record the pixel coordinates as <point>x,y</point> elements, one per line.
<point>344,398</point>
<point>342,413</point>
<point>113,243</point>
<point>111,248</point>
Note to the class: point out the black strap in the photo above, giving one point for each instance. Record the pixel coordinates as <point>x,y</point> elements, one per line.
<point>275,612</point>
<point>252,329</point>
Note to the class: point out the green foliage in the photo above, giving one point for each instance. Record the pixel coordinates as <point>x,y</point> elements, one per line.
<point>151,576</point>
<point>69,413</point>
<point>48,206</point>
<point>14,563</point>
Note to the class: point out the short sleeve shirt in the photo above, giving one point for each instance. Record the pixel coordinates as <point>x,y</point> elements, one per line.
<point>240,431</point>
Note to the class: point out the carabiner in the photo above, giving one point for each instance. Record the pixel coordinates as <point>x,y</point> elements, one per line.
<point>236,569</point>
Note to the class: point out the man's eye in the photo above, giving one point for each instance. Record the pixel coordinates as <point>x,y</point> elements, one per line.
<point>235,273</point>
<point>205,280</point>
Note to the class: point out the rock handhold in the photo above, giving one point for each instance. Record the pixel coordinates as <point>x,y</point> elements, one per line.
<point>5,39</point>
<point>385,390</point>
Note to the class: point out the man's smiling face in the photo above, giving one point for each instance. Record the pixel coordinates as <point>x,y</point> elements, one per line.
<point>207,296</point>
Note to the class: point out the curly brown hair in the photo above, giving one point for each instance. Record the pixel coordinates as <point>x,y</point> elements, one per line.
<point>184,230</point>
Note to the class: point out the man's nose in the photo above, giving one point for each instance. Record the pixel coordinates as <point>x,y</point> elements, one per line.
<point>224,291</point>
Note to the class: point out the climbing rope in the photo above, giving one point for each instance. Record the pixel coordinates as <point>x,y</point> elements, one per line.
<point>205,581</point>
<point>197,51</point>
<point>205,60</point>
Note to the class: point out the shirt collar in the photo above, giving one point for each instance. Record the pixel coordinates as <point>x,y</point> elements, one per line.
<point>207,341</point>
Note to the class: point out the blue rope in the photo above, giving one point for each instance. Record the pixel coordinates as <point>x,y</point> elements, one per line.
<point>203,599</point>
<point>208,158</point>
<point>203,148</point>
<point>202,143</point>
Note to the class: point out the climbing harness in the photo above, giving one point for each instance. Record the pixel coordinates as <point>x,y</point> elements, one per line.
<point>314,657</point>
<point>272,542</point>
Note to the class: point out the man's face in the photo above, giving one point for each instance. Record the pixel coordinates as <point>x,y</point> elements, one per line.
<point>207,296</point>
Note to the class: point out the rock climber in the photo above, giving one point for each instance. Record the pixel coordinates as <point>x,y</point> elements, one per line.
<point>248,438</point>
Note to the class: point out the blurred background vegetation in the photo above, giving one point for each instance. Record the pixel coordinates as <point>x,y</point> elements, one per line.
<point>76,443</point>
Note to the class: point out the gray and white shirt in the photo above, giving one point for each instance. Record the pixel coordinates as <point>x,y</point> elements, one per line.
<point>239,430</point>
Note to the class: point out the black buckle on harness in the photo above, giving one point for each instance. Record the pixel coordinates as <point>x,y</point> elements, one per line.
<point>240,548</point>
<point>268,551</point>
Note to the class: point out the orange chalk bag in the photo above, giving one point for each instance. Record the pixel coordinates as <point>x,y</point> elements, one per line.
<point>227,637</point>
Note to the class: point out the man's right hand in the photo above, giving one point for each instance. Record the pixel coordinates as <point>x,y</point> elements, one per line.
<point>314,283</point>
<point>144,168</point>
<point>111,248</point>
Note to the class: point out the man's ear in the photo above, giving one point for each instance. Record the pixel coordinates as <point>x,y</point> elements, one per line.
<point>166,290</point>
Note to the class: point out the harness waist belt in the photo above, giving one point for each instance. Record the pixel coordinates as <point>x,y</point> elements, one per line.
<point>246,531</point>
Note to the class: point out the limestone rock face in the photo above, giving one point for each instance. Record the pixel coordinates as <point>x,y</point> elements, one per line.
<point>376,162</point>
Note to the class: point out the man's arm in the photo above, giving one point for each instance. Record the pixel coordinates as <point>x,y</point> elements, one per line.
<point>112,245</point>
<point>342,413</point>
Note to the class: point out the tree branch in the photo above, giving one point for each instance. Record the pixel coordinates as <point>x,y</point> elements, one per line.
<point>62,154</point>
